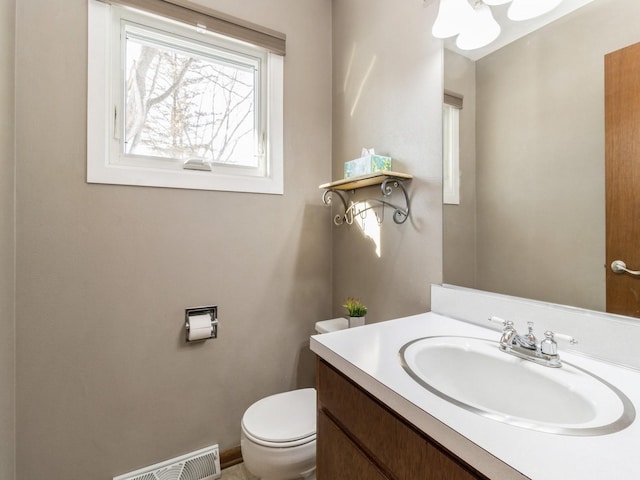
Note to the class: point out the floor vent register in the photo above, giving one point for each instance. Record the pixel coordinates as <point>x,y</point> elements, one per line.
<point>203,464</point>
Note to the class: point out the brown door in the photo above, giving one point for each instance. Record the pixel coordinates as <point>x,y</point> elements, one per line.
<point>622,173</point>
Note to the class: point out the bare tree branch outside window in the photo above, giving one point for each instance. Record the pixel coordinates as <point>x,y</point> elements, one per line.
<point>181,106</point>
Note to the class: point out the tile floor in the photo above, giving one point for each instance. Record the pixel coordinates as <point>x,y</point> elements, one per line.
<point>237,472</point>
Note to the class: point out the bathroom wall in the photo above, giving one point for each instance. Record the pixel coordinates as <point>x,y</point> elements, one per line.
<point>7,242</point>
<point>387,94</point>
<point>459,221</point>
<point>541,202</point>
<point>105,382</point>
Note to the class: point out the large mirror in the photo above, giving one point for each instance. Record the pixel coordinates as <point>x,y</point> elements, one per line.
<point>531,217</point>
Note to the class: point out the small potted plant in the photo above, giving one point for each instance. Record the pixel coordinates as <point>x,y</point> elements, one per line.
<point>357,310</point>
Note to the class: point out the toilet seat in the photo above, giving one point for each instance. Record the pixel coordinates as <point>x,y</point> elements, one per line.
<point>282,420</point>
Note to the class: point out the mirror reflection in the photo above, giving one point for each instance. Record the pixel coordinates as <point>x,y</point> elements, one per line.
<point>531,215</point>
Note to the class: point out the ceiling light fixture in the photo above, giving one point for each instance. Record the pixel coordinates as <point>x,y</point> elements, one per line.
<point>475,25</point>
<point>480,30</point>
<point>453,15</point>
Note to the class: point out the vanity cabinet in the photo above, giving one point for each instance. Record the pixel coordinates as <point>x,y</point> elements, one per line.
<point>361,439</point>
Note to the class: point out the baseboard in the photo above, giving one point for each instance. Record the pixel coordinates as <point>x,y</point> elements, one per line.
<point>230,457</point>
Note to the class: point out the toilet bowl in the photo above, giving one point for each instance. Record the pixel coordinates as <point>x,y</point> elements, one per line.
<point>278,437</point>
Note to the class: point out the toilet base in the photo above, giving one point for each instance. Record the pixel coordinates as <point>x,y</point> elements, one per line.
<point>267,463</point>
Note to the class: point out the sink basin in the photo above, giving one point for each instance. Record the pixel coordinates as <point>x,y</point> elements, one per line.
<point>474,374</point>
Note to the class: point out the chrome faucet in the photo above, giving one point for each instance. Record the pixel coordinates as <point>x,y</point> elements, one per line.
<point>527,347</point>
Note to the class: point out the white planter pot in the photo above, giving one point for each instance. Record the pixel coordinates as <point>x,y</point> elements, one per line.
<point>356,321</point>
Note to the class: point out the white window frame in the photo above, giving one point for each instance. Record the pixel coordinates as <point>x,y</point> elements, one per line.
<point>106,166</point>
<point>451,155</point>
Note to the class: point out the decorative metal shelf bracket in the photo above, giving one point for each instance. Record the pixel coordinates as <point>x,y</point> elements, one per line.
<point>327,198</point>
<point>360,208</point>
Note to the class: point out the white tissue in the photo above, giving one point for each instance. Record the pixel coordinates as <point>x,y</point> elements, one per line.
<point>200,327</point>
<point>367,151</point>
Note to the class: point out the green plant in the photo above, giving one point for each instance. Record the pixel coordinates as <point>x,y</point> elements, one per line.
<point>355,307</point>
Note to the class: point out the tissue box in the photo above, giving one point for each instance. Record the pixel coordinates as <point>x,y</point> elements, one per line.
<point>365,165</point>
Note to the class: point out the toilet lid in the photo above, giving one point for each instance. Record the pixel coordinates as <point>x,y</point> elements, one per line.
<point>282,418</point>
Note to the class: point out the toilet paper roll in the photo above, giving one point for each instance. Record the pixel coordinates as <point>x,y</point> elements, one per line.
<point>200,327</point>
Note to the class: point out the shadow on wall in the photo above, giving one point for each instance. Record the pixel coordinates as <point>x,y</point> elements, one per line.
<point>306,371</point>
<point>306,250</point>
<point>314,284</point>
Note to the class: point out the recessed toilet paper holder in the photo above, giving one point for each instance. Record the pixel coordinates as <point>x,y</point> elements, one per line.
<point>201,323</point>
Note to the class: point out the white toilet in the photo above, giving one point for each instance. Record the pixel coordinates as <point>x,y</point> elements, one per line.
<point>278,438</point>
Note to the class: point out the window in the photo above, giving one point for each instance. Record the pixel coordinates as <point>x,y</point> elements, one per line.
<point>451,151</point>
<point>170,105</point>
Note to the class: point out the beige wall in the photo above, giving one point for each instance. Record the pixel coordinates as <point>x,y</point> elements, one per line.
<point>459,221</point>
<point>7,244</point>
<point>105,382</point>
<point>541,230</point>
<point>387,85</point>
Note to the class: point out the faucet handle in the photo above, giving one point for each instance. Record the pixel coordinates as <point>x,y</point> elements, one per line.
<point>566,338</point>
<point>548,346</point>
<point>501,321</point>
<point>530,335</point>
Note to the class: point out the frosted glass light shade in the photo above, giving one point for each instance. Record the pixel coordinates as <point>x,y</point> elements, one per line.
<point>493,3</point>
<point>452,16</point>
<point>481,30</point>
<point>526,9</point>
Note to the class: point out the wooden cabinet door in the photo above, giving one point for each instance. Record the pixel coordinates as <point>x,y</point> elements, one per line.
<point>338,457</point>
<point>622,177</point>
<point>391,443</point>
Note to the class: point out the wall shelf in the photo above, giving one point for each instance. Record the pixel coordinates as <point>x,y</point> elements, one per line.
<point>388,181</point>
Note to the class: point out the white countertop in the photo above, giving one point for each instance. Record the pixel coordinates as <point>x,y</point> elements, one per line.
<point>369,356</point>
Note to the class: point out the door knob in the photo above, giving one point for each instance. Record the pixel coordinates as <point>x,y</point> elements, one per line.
<point>618,266</point>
